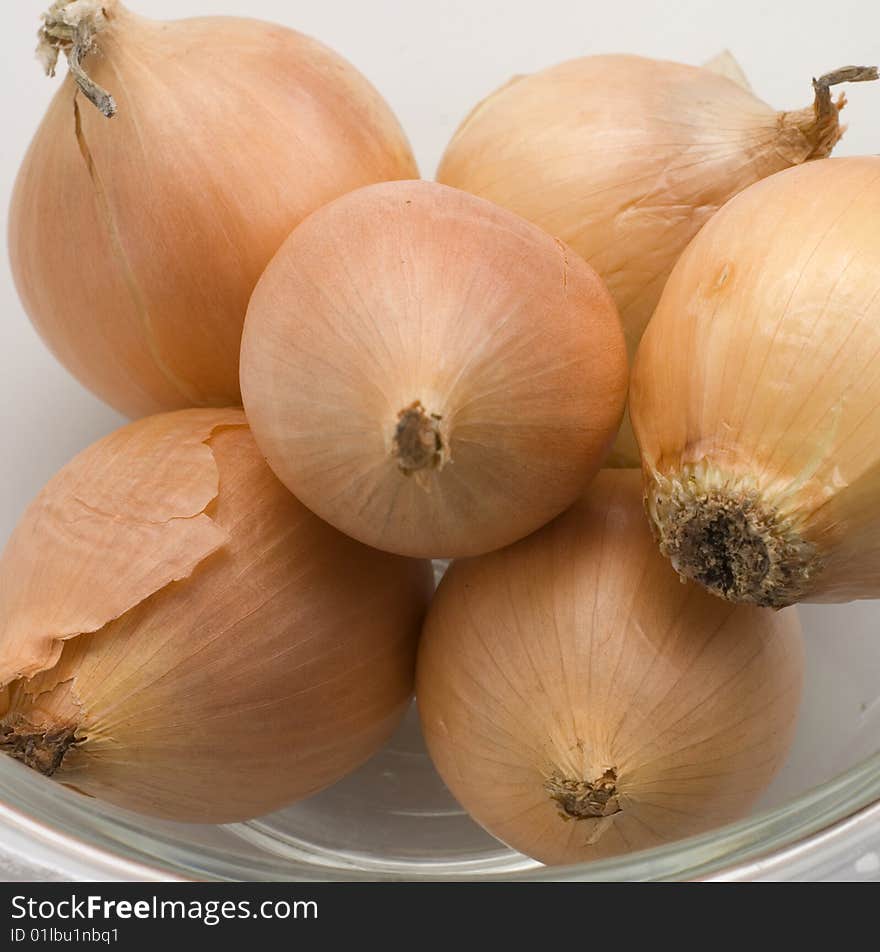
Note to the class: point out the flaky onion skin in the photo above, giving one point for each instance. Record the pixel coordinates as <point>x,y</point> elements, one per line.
<point>580,702</point>
<point>137,241</point>
<point>179,636</point>
<point>430,373</point>
<point>756,389</point>
<point>625,158</point>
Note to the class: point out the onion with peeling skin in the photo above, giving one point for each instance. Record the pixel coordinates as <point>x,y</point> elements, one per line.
<point>430,373</point>
<point>625,158</point>
<point>181,637</point>
<point>756,390</point>
<point>137,242</point>
<point>580,702</point>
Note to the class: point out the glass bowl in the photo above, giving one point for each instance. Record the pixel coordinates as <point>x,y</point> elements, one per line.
<point>394,819</point>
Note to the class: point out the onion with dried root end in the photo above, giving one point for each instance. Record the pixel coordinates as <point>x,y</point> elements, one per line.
<point>430,373</point>
<point>136,242</point>
<point>625,158</point>
<point>756,391</point>
<point>580,702</point>
<point>181,637</point>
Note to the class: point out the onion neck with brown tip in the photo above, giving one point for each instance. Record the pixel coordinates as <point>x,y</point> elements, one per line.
<point>819,124</point>
<point>72,29</point>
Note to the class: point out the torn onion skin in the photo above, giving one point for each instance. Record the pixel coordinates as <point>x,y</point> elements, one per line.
<point>625,158</point>
<point>179,636</point>
<point>430,373</point>
<point>755,393</point>
<point>136,241</point>
<point>580,702</point>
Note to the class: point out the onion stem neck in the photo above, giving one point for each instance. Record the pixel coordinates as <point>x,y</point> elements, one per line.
<point>418,442</point>
<point>584,799</point>
<point>820,123</point>
<point>71,28</point>
<point>43,751</point>
<point>822,104</point>
<point>730,539</point>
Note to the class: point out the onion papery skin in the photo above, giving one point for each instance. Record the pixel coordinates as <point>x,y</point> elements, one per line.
<point>180,637</point>
<point>756,390</point>
<point>625,158</point>
<point>430,373</point>
<point>136,242</point>
<point>580,702</point>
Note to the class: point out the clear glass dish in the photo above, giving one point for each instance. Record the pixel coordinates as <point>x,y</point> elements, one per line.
<point>393,819</point>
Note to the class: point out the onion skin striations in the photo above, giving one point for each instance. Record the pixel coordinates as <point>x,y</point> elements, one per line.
<point>625,158</point>
<point>755,393</point>
<point>136,242</point>
<point>430,373</point>
<point>580,702</point>
<point>179,636</point>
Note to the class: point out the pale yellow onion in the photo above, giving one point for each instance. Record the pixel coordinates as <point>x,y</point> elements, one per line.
<point>580,702</point>
<point>430,373</point>
<point>136,242</point>
<point>180,636</point>
<point>625,158</point>
<point>756,391</point>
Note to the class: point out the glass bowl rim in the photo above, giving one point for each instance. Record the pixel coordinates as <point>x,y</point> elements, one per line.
<point>102,840</point>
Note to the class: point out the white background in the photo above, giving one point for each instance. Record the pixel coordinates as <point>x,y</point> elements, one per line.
<point>433,61</point>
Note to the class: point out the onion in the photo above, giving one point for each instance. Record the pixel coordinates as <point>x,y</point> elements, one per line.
<point>580,702</point>
<point>429,373</point>
<point>626,158</point>
<point>136,243</point>
<point>180,636</point>
<point>756,392</point>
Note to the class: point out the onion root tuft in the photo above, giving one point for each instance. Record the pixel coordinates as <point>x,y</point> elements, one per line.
<point>418,443</point>
<point>584,799</point>
<point>730,540</point>
<point>41,750</point>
